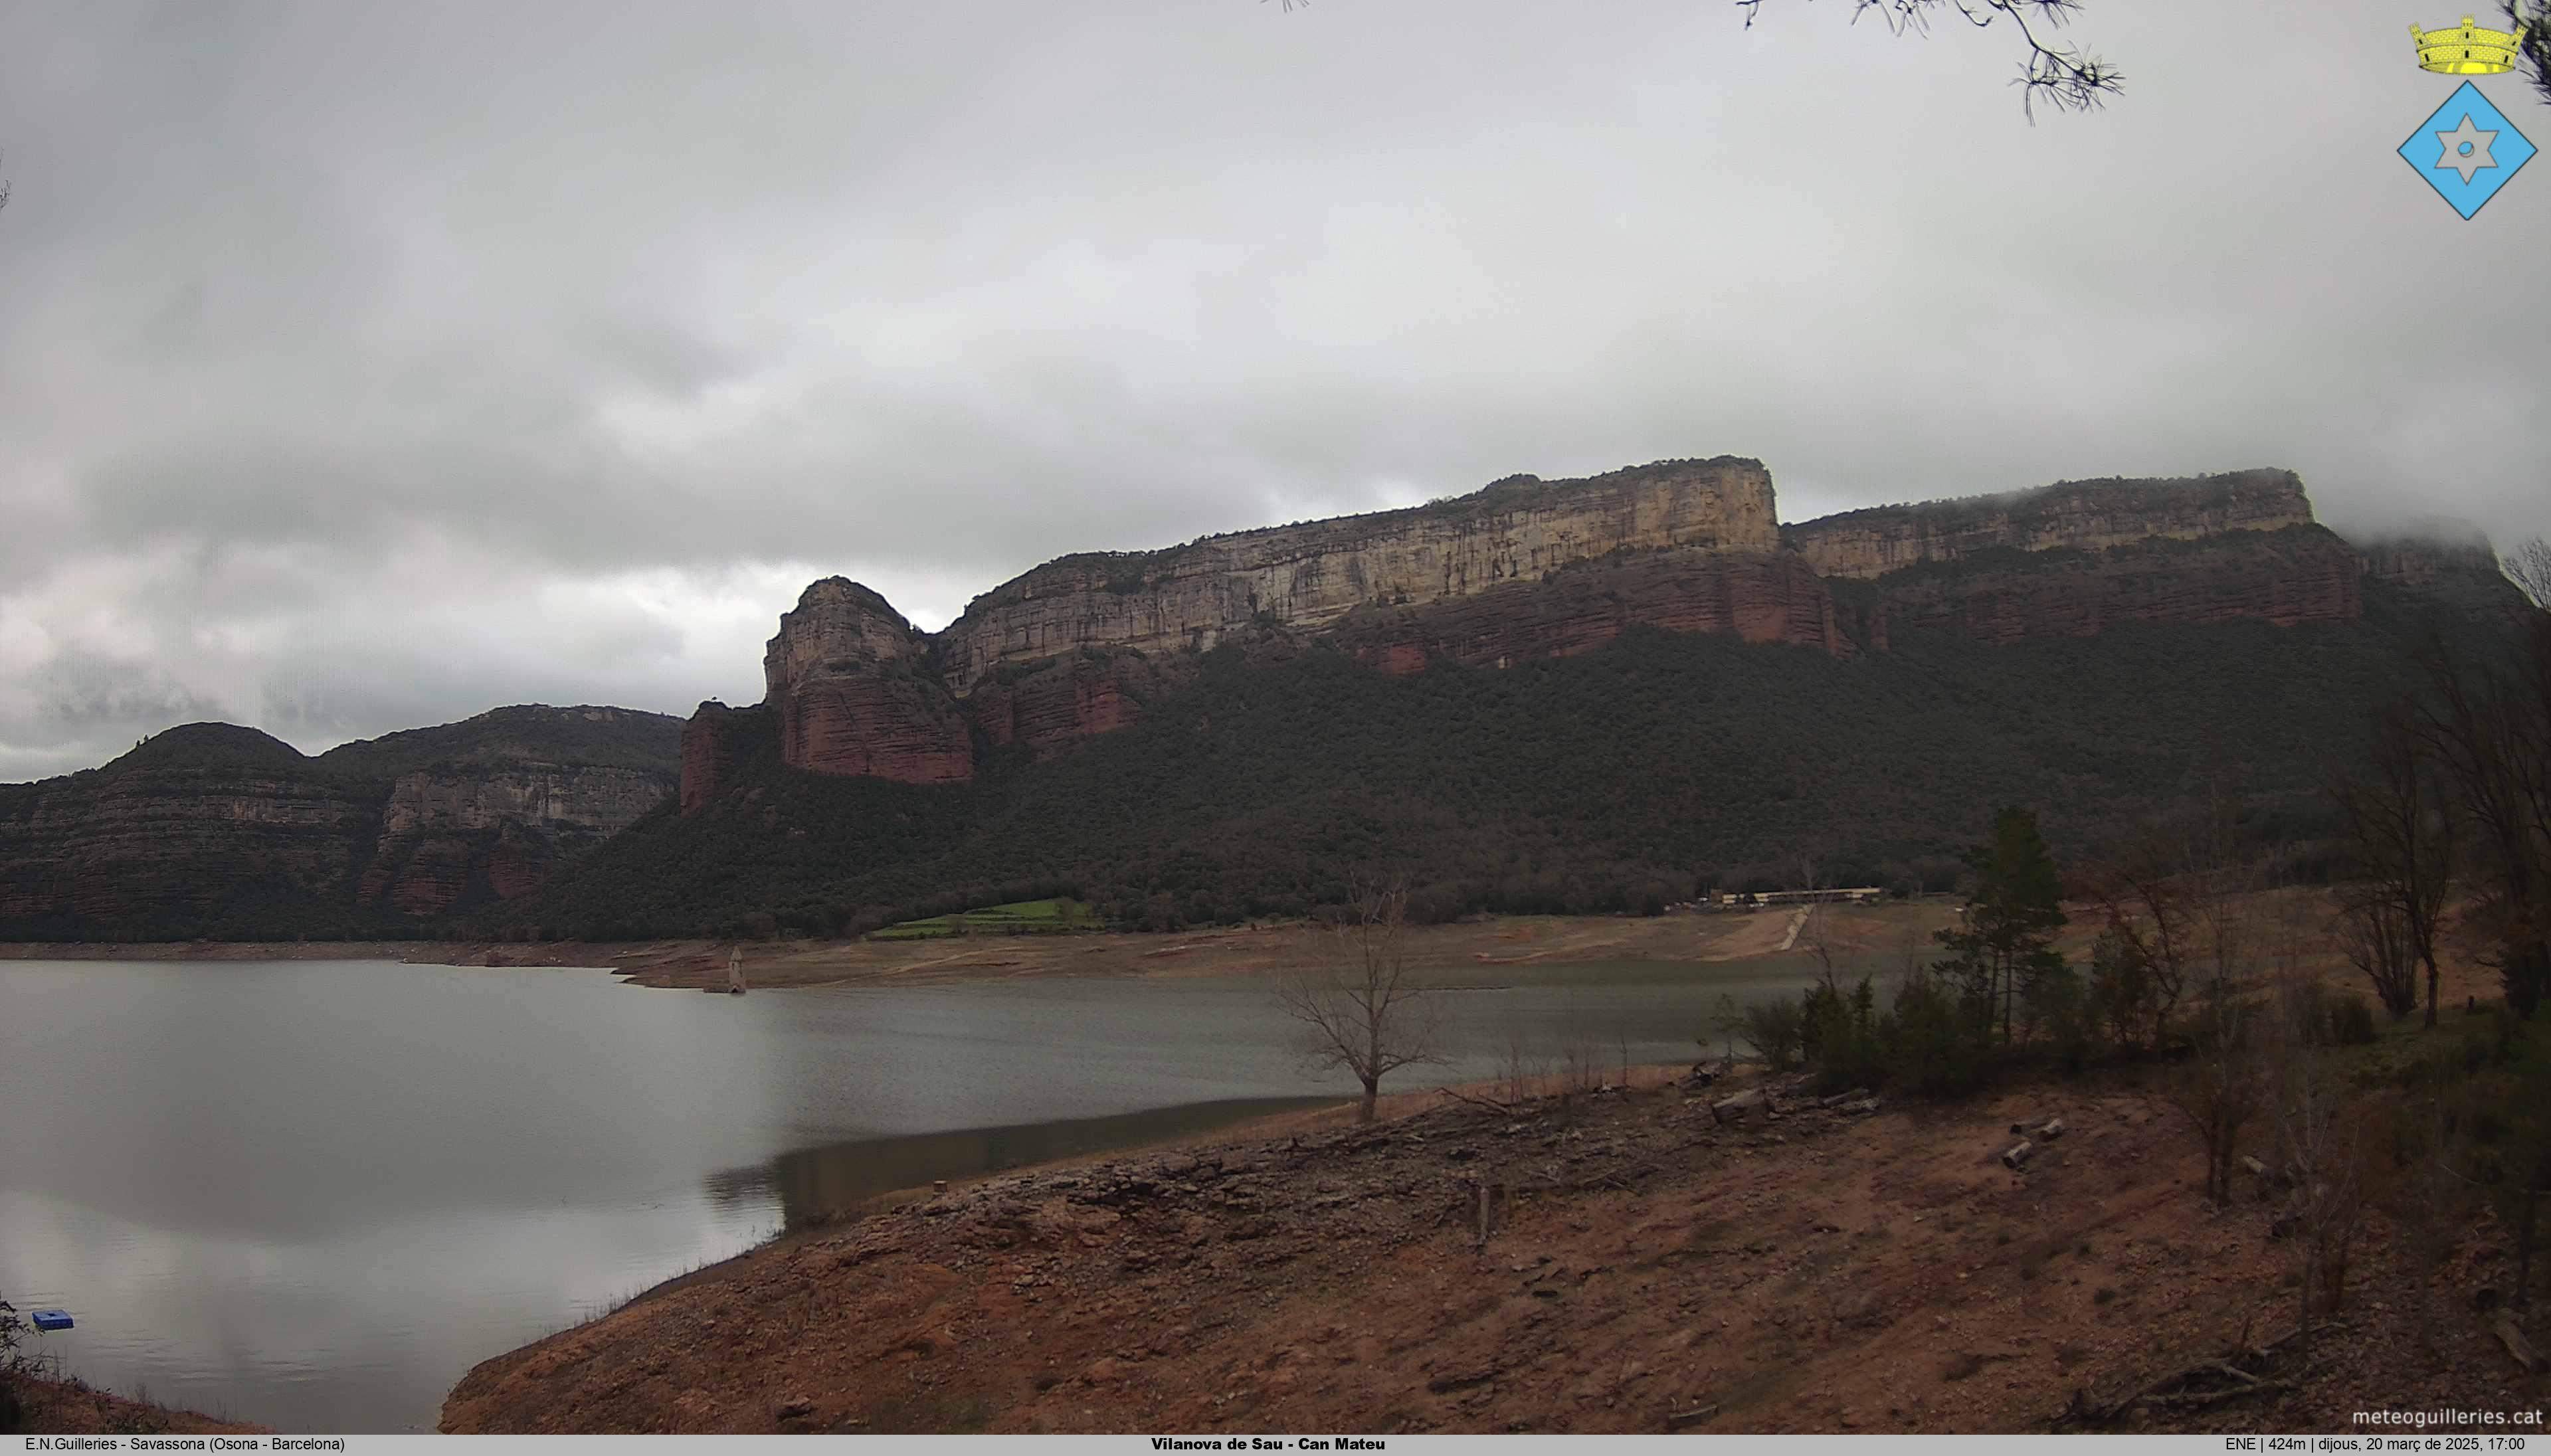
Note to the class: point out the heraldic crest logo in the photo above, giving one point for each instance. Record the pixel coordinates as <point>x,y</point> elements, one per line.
<point>2466,149</point>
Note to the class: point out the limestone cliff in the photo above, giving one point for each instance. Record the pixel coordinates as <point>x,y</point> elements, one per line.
<point>1521,569</point>
<point>1308,576</point>
<point>1075,647</point>
<point>214,829</point>
<point>445,832</point>
<point>1758,596</point>
<point>190,823</point>
<point>2076,515</point>
<point>2071,559</point>
<point>2300,573</point>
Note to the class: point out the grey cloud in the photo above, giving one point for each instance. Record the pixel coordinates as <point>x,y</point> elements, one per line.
<point>324,331</point>
<point>80,697</point>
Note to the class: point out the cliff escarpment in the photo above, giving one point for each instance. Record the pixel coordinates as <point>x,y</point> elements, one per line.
<point>212,829</point>
<point>1522,568</point>
<point>1077,646</point>
<point>2445,561</point>
<point>2071,515</point>
<point>1308,576</point>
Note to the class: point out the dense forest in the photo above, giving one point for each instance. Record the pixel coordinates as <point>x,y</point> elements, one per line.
<point>1618,780</point>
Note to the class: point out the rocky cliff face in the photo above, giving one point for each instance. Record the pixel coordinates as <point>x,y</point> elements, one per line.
<point>1308,576</point>
<point>1525,568</point>
<point>1756,597</point>
<point>216,829</point>
<point>2075,515</point>
<point>194,821</point>
<point>447,832</point>
<point>846,680</point>
<point>1044,708</point>
<point>2300,573</point>
<point>1074,647</point>
<point>716,742</point>
<point>2446,561</point>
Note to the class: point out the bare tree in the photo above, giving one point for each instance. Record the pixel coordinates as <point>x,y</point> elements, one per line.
<point>2487,721</point>
<point>2219,1087</point>
<point>2533,19</point>
<point>2147,938</point>
<point>1519,1070</point>
<point>2401,829</point>
<point>2320,1146</point>
<point>1363,1008</point>
<point>2060,75</point>
<point>2219,890</point>
<point>2377,942</point>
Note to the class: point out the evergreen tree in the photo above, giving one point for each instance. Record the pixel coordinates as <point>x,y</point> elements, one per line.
<point>2005,943</point>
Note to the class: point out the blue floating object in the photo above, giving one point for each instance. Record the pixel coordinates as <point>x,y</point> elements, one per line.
<point>51,1318</point>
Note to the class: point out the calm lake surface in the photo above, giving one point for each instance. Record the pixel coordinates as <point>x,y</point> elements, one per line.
<point>313,1193</point>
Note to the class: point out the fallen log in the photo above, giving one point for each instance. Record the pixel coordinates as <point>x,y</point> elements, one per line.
<point>2256,1169</point>
<point>2050,1132</point>
<point>1864,1106</point>
<point>2505,1327</point>
<point>2217,1398</point>
<point>1676,1421</point>
<point>2016,1154</point>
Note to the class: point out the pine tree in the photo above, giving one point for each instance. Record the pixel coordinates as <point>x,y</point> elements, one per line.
<point>2004,942</point>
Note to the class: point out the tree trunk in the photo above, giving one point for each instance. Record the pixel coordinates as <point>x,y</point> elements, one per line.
<point>2524,1253</point>
<point>2303,1324</point>
<point>2431,990</point>
<point>1372,1092</point>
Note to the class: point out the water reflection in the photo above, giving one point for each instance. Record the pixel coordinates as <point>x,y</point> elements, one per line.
<point>314,1194</point>
<point>816,1184</point>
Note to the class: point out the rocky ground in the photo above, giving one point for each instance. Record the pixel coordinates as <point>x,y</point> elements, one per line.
<point>1645,1269</point>
<point>50,1406</point>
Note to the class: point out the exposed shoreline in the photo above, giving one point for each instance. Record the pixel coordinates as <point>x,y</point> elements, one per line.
<point>1523,940</point>
<point>1645,1269</point>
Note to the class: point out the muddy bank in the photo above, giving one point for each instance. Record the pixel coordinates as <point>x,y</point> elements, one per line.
<point>1645,1269</point>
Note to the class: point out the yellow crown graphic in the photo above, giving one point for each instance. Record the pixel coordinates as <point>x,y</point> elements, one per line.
<point>2467,49</point>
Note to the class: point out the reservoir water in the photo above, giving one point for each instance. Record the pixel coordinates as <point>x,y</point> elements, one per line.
<point>313,1193</point>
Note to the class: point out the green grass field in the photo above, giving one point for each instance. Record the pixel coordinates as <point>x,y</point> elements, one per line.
<point>1024,917</point>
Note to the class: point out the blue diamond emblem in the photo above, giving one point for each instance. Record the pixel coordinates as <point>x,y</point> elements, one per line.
<point>2467,149</point>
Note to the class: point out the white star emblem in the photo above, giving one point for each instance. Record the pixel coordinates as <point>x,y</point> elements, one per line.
<point>2466,149</point>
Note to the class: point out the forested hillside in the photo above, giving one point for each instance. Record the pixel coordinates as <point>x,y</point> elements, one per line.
<point>1612,781</point>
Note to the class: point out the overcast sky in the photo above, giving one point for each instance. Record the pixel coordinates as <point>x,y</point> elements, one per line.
<point>365,366</point>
